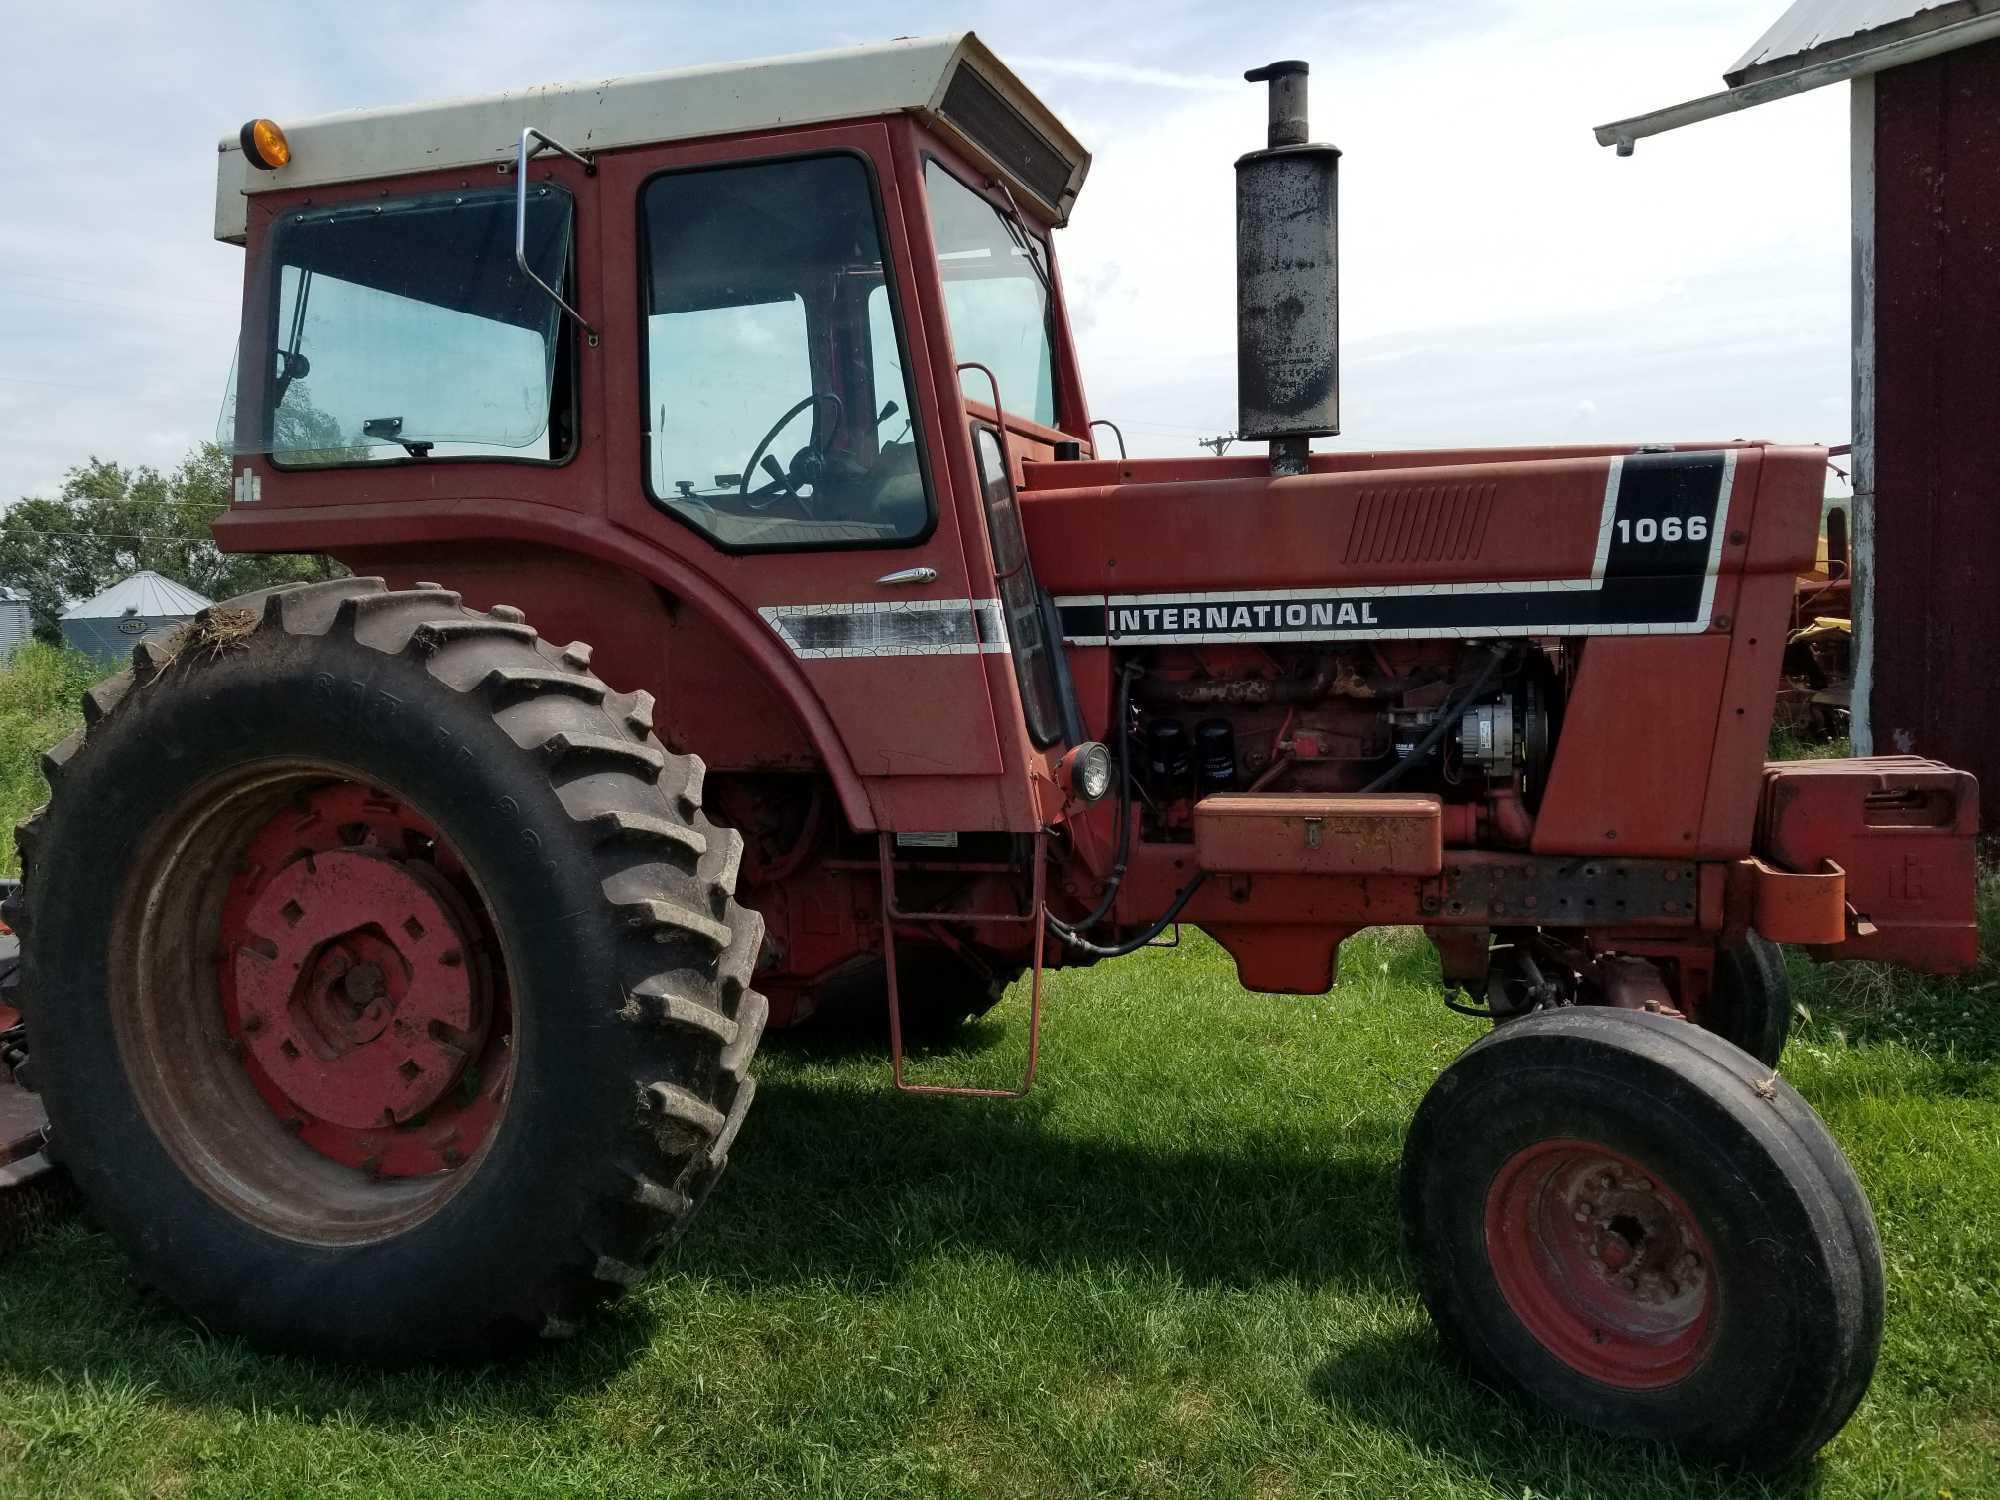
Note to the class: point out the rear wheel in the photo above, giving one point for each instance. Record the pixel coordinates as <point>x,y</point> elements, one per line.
<point>388,993</point>
<point>1751,1002</point>
<point>1633,1223</point>
<point>939,989</point>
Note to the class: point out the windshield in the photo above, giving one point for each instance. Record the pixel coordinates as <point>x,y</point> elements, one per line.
<point>995,295</point>
<point>403,328</point>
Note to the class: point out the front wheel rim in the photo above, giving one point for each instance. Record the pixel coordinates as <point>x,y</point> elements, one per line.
<point>1602,1263</point>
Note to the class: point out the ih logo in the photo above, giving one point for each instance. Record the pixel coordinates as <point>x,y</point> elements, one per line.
<point>1909,880</point>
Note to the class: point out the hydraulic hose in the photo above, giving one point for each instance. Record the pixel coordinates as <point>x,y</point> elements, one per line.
<point>1132,945</point>
<point>1121,837</point>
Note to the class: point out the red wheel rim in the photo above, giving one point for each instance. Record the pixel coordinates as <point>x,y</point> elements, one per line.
<point>1602,1263</point>
<point>356,985</point>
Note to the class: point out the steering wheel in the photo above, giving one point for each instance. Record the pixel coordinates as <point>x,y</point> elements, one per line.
<point>806,466</point>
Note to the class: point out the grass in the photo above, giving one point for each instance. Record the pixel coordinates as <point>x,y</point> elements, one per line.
<point>1791,744</point>
<point>1172,1271</point>
<point>39,690</point>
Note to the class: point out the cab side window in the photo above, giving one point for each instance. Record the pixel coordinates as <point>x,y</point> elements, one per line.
<point>996,294</point>
<point>777,409</point>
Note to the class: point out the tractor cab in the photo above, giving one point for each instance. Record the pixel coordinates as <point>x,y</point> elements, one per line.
<point>799,368</point>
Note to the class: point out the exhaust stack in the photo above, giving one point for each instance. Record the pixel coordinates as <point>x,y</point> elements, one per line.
<point>1287,280</point>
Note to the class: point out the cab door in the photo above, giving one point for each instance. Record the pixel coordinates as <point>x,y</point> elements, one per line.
<point>785,444</point>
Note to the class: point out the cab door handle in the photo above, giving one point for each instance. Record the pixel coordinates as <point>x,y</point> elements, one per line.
<point>909,575</point>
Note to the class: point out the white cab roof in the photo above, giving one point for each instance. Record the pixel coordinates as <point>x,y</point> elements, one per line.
<point>990,112</point>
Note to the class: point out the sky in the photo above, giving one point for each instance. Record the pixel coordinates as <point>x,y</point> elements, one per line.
<point>1503,279</point>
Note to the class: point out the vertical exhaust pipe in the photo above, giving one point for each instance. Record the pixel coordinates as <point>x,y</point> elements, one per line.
<point>1287,280</point>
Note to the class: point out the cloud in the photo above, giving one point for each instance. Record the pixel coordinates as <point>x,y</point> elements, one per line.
<point>1117,72</point>
<point>1499,269</point>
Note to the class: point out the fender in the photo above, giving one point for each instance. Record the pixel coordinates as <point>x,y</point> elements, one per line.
<point>333,529</point>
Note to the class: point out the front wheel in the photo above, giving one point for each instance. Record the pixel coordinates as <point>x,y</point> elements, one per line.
<point>1637,1225</point>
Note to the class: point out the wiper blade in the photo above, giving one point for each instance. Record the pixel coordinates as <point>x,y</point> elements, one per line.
<point>392,429</point>
<point>1017,230</point>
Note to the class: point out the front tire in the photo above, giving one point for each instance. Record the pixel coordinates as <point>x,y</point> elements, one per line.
<point>1637,1225</point>
<point>387,989</point>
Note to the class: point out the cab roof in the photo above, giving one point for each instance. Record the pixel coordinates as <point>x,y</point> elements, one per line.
<point>952,81</point>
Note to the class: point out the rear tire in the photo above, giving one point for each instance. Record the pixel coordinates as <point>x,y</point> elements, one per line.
<point>1637,1225</point>
<point>1751,1003</point>
<point>939,990</point>
<point>502,791</point>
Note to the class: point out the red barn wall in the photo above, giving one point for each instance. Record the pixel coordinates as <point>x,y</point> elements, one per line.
<point>1936,556</point>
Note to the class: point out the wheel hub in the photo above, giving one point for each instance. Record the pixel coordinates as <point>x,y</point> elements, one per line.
<point>352,987</point>
<point>358,988</point>
<point>1601,1262</point>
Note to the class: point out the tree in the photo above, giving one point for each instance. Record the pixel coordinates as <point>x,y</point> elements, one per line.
<point>109,522</point>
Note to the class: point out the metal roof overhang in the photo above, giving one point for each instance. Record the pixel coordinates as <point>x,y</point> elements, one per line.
<point>1889,53</point>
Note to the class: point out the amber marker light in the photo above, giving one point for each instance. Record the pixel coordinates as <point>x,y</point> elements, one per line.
<point>265,146</point>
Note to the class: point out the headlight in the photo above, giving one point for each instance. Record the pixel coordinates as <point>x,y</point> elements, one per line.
<point>1087,769</point>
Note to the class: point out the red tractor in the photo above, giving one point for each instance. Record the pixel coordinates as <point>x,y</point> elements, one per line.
<point>393,970</point>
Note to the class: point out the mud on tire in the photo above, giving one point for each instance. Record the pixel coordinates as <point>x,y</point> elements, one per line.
<point>600,895</point>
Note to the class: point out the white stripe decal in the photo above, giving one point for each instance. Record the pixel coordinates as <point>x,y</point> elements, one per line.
<point>890,627</point>
<point>1608,515</point>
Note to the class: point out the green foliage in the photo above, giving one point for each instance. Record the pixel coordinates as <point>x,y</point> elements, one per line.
<point>39,693</point>
<point>1791,744</point>
<point>109,522</point>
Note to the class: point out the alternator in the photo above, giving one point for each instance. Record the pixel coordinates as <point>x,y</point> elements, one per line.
<point>1486,738</point>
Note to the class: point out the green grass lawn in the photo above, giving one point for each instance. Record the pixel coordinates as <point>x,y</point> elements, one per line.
<point>1173,1270</point>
